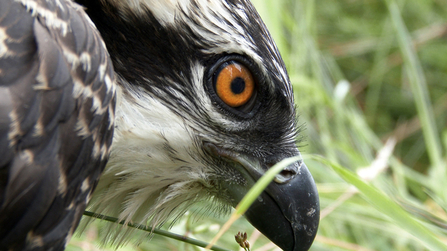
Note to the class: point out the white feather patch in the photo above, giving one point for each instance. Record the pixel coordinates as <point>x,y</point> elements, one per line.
<point>155,170</point>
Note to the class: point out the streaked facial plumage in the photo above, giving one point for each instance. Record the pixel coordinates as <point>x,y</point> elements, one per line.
<point>165,112</point>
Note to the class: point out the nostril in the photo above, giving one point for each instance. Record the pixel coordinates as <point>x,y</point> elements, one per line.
<point>286,174</point>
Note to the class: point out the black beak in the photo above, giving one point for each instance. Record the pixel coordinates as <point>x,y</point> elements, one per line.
<point>288,211</point>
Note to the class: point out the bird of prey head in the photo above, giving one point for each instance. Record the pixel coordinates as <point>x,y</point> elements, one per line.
<point>204,107</point>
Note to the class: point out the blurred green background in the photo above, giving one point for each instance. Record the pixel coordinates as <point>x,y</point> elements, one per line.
<point>370,81</point>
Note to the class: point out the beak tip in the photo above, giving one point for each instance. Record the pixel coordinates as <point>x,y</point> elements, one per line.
<point>305,231</point>
<point>293,210</point>
<point>306,220</point>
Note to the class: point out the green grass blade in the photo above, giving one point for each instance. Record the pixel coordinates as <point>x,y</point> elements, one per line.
<point>262,183</point>
<point>419,88</point>
<point>165,233</point>
<point>388,207</point>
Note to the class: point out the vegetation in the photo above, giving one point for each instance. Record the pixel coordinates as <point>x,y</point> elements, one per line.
<point>370,81</point>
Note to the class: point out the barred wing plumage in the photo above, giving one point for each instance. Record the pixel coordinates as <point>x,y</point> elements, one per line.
<point>57,101</point>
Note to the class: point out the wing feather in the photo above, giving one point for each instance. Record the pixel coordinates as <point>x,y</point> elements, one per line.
<point>57,102</point>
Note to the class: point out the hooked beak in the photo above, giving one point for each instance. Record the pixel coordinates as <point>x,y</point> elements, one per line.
<point>287,211</point>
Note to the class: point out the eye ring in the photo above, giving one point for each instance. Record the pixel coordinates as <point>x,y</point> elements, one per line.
<point>251,104</point>
<point>234,83</point>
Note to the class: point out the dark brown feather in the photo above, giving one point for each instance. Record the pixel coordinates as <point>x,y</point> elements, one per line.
<point>57,102</point>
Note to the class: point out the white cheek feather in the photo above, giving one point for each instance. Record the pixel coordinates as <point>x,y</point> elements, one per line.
<point>154,166</point>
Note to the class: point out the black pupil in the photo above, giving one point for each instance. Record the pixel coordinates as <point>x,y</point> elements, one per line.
<point>238,85</point>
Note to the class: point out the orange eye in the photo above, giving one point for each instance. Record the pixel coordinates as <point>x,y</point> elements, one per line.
<point>234,84</point>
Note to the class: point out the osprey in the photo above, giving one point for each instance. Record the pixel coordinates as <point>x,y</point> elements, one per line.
<point>196,107</point>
